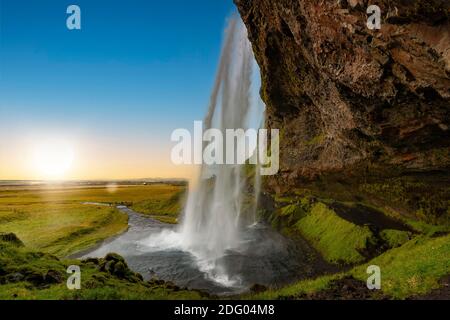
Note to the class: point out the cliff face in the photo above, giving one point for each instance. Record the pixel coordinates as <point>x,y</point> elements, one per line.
<point>364,114</point>
<point>348,100</point>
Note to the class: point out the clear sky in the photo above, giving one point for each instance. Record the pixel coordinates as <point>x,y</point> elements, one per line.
<point>111,92</point>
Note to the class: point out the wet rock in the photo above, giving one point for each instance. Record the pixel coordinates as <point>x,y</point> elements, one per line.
<point>171,286</point>
<point>114,257</point>
<point>14,277</point>
<point>257,288</point>
<point>108,266</point>
<point>35,278</point>
<point>156,282</point>
<point>139,276</point>
<point>94,261</point>
<point>11,238</point>
<point>120,269</point>
<point>115,265</point>
<point>205,294</point>
<point>53,276</point>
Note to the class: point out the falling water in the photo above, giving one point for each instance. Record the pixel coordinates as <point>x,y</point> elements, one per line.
<point>215,213</point>
<point>219,245</point>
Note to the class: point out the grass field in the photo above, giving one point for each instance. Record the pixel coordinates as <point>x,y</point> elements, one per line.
<point>57,220</point>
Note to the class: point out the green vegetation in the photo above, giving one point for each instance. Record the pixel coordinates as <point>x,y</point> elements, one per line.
<point>166,207</point>
<point>56,222</point>
<point>66,220</point>
<point>304,286</point>
<point>419,200</point>
<point>338,240</point>
<point>395,238</point>
<point>411,264</point>
<point>415,268</point>
<point>28,274</point>
<point>62,228</point>
<point>110,194</point>
<point>427,201</point>
<point>412,269</point>
<point>426,228</point>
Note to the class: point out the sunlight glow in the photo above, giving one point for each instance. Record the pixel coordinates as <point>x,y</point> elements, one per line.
<point>53,159</point>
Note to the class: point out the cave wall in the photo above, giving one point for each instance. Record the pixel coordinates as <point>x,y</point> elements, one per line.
<point>350,101</point>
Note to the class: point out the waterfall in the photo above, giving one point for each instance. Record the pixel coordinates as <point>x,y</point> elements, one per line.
<point>214,213</point>
<point>221,204</point>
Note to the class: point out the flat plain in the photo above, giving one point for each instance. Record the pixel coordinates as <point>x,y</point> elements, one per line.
<point>63,220</point>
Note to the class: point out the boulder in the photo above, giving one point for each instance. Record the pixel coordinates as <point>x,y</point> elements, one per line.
<point>11,238</point>
<point>53,276</point>
<point>14,277</point>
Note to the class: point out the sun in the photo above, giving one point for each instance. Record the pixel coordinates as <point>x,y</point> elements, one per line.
<point>52,160</point>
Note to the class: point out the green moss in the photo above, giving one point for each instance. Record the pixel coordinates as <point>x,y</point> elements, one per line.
<point>338,240</point>
<point>414,268</point>
<point>395,238</point>
<point>34,282</point>
<point>305,286</point>
<point>417,225</point>
<point>426,228</point>
<point>288,210</point>
<point>423,198</point>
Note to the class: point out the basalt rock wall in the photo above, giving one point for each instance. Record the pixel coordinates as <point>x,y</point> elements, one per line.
<point>350,101</point>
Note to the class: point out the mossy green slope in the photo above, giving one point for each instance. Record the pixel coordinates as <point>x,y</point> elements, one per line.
<point>413,269</point>
<point>338,240</point>
<point>28,274</point>
<point>395,238</point>
<point>412,262</point>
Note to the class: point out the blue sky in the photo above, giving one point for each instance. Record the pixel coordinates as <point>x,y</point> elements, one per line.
<point>133,73</point>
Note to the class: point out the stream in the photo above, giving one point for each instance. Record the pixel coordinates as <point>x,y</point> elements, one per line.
<point>151,248</point>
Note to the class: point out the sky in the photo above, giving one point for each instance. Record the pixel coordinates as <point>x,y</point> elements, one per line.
<point>101,102</point>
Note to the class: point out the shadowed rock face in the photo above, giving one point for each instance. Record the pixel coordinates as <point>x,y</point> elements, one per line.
<point>348,99</point>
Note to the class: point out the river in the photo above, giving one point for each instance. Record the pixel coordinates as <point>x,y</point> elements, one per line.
<point>263,257</point>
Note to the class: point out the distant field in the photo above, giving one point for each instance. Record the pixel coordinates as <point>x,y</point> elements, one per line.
<point>56,220</point>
